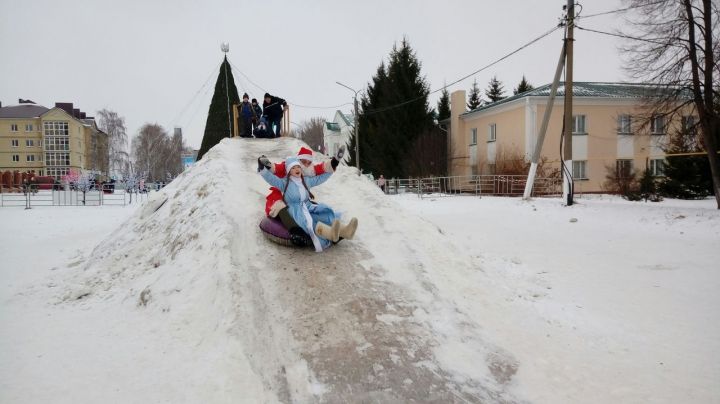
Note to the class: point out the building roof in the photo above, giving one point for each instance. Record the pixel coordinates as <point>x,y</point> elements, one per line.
<point>22,111</point>
<point>348,118</point>
<point>333,126</point>
<point>587,89</point>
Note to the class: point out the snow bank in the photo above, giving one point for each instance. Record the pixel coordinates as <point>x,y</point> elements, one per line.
<point>245,318</point>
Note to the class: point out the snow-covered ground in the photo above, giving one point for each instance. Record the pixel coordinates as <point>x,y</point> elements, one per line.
<point>448,299</point>
<point>620,306</point>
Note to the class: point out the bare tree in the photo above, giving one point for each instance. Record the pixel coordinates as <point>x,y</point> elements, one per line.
<point>311,132</point>
<point>676,43</point>
<point>114,126</point>
<point>157,155</point>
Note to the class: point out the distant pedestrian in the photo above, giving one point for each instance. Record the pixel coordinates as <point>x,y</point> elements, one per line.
<point>381,183</point>
<point>273,109</point>
<point>246,116</point>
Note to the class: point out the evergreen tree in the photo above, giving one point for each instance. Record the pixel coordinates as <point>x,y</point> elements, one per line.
<point>474,99</point>
<point>495,90</point>
<point>686,177</point>
<point>219,123</point>
<point>523,87</point>
<point>395,112</point>
<point>443,110</point>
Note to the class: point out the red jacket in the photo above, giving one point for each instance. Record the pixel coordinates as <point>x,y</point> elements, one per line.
<point>275,194</point>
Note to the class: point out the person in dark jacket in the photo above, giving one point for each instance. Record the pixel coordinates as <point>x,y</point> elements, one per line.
<point>257,109</point>
<point>273,108</point>
<point>246,116</point>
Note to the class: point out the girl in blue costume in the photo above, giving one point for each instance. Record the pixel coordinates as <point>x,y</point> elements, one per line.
<point>317,219</point>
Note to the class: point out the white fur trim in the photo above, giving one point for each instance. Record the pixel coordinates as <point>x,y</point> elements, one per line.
<point>291,165</point>
<point>276,208</point>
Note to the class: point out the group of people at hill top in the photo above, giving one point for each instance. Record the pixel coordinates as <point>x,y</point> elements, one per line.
<point>308,222</point>
<point>261,122</point>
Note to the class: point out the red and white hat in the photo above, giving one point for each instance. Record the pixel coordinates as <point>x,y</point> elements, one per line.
<point>305,154</point>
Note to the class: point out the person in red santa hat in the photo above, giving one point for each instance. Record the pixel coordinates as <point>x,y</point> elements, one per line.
<point>274,204</point>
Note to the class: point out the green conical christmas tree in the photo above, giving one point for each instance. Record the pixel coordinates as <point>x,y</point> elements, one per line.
<point>219,123</point>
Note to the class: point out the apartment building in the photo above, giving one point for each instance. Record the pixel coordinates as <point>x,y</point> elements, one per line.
<point>612,129</point>
<point>51,141</point>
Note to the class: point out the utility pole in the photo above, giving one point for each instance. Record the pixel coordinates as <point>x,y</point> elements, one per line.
<point>568,124</point>
<point>543,128</point>
<point>225,47</point>
<point>355,134</point>
<point>355,125</point>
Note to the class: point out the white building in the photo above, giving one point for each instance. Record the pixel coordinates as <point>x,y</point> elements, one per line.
<point>338,132</point>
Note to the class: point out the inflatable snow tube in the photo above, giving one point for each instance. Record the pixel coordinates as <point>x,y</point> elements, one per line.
<point>274,230</point>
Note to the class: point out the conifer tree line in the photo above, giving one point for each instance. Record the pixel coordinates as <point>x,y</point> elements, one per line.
<point>397,134</point>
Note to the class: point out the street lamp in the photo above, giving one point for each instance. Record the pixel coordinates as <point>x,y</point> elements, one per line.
<point>355,125</point>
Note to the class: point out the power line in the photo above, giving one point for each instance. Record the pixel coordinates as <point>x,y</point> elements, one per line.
<point>656,41</point>
<point>468,75</point>
<point>315,107</point>
<point>246,77</point>
<point>293,104</point>
<point>620,10</point>
<point>182,111</point>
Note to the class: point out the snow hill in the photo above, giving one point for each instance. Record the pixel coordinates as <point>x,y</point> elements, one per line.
<point>193,304</point>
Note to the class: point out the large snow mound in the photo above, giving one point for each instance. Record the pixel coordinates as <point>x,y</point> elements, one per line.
<point>362,321</point>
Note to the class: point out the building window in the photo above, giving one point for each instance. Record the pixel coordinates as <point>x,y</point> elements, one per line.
<point>473,136</point>
<point>29,143</point>
<point>14,142</point>
<point>492,132</point>
<point>657,125</point>
<point>57,159</point>
<point>579,125</point>
<point>689,123</point>
<point>13,127</point>
<point>623,168</point>
<point>30,157</point>
<point>57,173</point>
<point>579,169</point>
<point>657,167</point>
<point>16,157</point>
<point>55,128</point>
<point>624,125</point>
<point>28,127</point>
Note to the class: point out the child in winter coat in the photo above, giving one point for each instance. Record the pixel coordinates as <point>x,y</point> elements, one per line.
<point>316,219</point>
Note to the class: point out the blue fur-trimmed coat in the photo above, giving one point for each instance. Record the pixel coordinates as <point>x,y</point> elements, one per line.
<point>318,212</point>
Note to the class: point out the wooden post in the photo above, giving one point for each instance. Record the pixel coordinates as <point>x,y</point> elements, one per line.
<point>235,119</point>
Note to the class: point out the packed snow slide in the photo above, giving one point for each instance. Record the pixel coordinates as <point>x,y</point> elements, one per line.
<point>241,319</point>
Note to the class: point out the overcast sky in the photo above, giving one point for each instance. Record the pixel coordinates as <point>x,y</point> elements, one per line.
<point>150,60</point>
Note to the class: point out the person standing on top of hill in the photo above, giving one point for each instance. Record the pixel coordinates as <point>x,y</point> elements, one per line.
<point>273,109</point>
<point>246,116</point>
<point>274,204</point>
<point>257,110</point>
<point>316,219</point>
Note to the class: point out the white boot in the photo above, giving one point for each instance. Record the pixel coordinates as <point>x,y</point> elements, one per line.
<point>328,232</point>
<point>348,231</point>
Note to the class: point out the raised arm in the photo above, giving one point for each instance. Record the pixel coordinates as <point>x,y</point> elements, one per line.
<point>272,179</point>
<point>317,180</point>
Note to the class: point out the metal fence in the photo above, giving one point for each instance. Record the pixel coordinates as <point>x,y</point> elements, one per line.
<point>30,196</point>
<point>500,185</point>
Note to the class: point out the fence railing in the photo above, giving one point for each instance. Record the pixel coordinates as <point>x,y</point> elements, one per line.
<point>30,196</point>
<point>500,185</point>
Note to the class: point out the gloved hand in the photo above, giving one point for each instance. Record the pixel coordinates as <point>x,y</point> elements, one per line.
<point>340,153</point>
<point>263,162</point>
